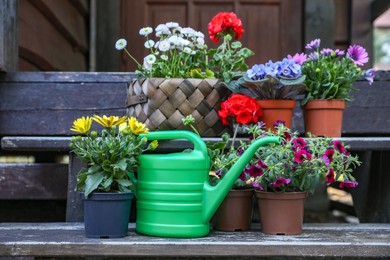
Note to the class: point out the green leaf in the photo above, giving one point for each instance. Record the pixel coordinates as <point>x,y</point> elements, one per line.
<point>92,182</point>
<point>236,45</point>
<point>122,164</point>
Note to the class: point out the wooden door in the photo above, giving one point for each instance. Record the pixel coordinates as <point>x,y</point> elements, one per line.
<point>273,28</point>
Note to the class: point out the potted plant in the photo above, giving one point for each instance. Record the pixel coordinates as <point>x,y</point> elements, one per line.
<point>330,75</point>
<point>182,76</point>
<point>235,212</point>
<point>288,172</point>
<point>275,85</point>
<point>111,157</point>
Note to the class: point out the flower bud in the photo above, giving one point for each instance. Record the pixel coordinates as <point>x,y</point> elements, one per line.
<point>94,135</point>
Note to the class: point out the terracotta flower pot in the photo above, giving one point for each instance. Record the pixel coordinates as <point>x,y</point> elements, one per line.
<point>324,117</point>
<point>281,213</point>
<point>276,109</point>
<point>235,212</point>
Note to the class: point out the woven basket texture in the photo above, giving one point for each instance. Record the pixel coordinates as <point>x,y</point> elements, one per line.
<point>168,101</point>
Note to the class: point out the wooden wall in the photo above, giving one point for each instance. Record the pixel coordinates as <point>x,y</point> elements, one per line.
<point>53,35</point>
<point>273,28</point>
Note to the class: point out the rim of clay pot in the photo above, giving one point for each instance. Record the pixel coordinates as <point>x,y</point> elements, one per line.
<point>281,195</point>
<point>240,193</point>
<point>108,195</point>
<point>325,103</point>
<point>276,103</point>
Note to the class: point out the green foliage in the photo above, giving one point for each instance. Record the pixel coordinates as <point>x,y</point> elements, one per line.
<point>330,77</point>
<point>111,157</point>
<point>305,172</point>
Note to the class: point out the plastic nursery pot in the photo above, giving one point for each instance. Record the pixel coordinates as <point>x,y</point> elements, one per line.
<point>324,117</point>
<point>276,109</point>
<point>107,214</point>
<point>281,213</point>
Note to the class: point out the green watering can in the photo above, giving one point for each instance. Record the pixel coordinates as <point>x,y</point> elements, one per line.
<point>174,198</point>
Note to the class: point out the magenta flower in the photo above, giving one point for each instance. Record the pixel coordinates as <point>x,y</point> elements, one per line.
<point>301,156</point>
<point>299,143</point>
<point>242,176</point>
<point>280,181</point>
<point>313,44</point>
<point>287,136</point>
<point>257,186</point>
<point>328,157</point>
<point>254,171</point>
<point>348,184</point>
<point>357,54</point>
<point>298,58</point>
<point>339,146</point>
<point>330,176</point>
<point>370,75</point>
<point>279,122</point>
<point>240,151</point>
<point>262,164</point>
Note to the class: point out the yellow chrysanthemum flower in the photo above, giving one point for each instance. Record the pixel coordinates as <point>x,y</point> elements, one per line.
<point>137,127</point>
<point>82,125</point>
<point>109,121</point>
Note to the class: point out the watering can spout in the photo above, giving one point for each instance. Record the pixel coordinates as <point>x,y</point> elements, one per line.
<point>214,195</point>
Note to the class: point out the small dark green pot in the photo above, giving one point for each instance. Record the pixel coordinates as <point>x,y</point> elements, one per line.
<point>106,214</point>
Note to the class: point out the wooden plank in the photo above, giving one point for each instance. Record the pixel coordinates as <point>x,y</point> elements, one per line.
<point>33,181</point>
<point>8,35</point>
<point>317,240</point>
<point>42,38</point>
<point>64,16</point>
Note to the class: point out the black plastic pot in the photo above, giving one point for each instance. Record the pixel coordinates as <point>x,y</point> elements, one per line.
<point>106,215</point>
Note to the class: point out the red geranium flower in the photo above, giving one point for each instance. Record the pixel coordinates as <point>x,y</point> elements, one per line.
<point>225,23</point>
<point>243,108</point>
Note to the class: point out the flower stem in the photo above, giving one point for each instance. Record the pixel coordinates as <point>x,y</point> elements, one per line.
<point>234,136</point>
<point>128,53</point>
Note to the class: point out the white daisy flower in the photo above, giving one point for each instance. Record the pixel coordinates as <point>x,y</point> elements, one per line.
<point>145,31</point>
<point>187,50</point>
<point>199,42</point>
<point>164,57</point>
<point>184,42</point>
<point>193,52</point>
<point>150,59</point>
<point>120,44</point>
<point>149,44</point>
<point>177,30</point>
<point>172,24</point>
<point>199,34</point>
<point>147,66</point>
<point>188,31</point>
<point>164,45</point>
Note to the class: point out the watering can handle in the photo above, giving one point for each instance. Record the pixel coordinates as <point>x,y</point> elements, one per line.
<point>199,144</point>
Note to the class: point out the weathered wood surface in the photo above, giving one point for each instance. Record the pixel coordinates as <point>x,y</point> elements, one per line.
<point>317,240</point>
<point>48,103</point>
<point>33,181</point>
<point>61,144</point>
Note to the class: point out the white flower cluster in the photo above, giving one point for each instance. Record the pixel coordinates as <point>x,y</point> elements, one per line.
<point>173,40</point>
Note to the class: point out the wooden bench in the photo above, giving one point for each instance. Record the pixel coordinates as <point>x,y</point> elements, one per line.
<point>325,241</point>
<point>37,110</point>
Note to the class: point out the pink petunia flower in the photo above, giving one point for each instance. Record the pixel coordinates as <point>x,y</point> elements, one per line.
<point>330,176</point>
<point>348,184</point>
<point>280,181</point>
<point>301,156</point>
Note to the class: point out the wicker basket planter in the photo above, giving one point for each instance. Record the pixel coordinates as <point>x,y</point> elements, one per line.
<point>162,103</point>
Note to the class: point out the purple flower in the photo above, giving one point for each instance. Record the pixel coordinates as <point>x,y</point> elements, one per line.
<point>314,56</point>
<point>279,122</point>
<point>254,171</point>
<point>326,52</point>
<point>242,176</point>
<point>262,164</point>
<point>298,58</point>
<point>280,181</point>
<point>299,143</point>
<point>301,156</point>
<point>357,54</point>
<point>218,173</point>
<point>339,53</point>
<point>339,146</point>
<point>348,184</point>
<point>330,176</point>
<point>313,44</point>
<point>261,124</point>
<point>370,75</point>
<point>257,186</point>
<point>240,151</point>
<point>328,157</point>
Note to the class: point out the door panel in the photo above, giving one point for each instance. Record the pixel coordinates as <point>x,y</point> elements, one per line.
<point>273,28</point>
